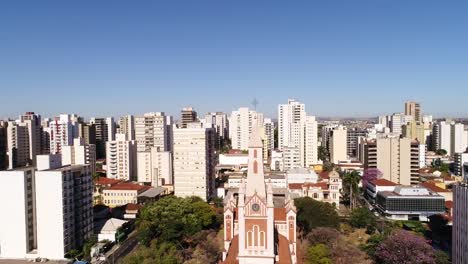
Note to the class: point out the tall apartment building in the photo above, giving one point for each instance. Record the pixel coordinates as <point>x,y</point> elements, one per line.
<point>51,213</point>
<point>414,109</point>
<point>397,158</point>
<point>397,120</point>
<point>102,136</point>
<point>111,128</point>
<point>3,145</point>
<point>151,131</point>
<point>219,121</point>
<point>268,138</point>
<point>194,162</point>
<point>63,130</point>
<point>458,139</point>
<point>460,225</point>
<point>87,132</point>
<point>291,158</point>
<point>296,129</point>
<point>352,135</point>
<point>414,130</point>
<point>80,153</point>
<point>461,161</point>
<point>121,155</point>
<point>338,145</point>
<point>18,145</point>
<point>127,127</point>
<point>188,115</point>
<point>326,131</point>
<point>33,122</point>
<point>240,126</point>
<point>155,167</point>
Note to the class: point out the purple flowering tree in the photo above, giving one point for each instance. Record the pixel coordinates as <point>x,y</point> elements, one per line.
<point>370,175</point>
<point>404,247</point>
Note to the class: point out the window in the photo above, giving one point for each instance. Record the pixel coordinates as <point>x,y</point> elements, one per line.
<point>255,167</point>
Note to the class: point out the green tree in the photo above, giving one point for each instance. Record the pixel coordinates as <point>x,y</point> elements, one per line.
<point>312,214</point>
<point>351,187</point>
<point>363,218</point>
<point>172,219</point>
<point>157,252</point>
<point>323,154</point>
<point>318,254</point>
<point>441,152</point>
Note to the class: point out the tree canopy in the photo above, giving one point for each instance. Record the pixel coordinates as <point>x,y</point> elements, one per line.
<point>312,214</point>
<point>404,247</point>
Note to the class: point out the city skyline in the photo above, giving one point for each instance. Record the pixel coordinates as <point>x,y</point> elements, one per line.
<point>359,59</point>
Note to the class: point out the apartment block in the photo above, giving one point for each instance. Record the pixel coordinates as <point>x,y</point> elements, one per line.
<point>397,158</point>
<point>121,156</point>
<point>188,115</point>
<point>338,145</point>
<point>240,126</point>
<point>155,167</point>
<point>194,162</point>
<point>151,131</point>
<point>80,153</point>
<point>52,210</point>
<point>127,127</point>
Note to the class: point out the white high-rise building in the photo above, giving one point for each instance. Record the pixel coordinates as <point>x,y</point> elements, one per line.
<point>121,158</point>
<point>151,130</point>
<point>127,126</point>
<point>240,126</point>
<point>218,121</point>
<point>291,117</point>
<point>18,145</point>
<point>291,158</point>
<point>310,142</point>
<point>62,131</point>
<point>458,139</point>
<point>80,154</point>
<point>194,161</point>
<point>111,128</point>
<point>338,145</point>
<point>155,167</point>
<point>297,130</point>
<point>397,120</point>
<point>445,136</point>
<point>51,213</point>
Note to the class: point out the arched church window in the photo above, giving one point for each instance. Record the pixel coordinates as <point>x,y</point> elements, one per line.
<point>255,153</point>
<point>255,167</point>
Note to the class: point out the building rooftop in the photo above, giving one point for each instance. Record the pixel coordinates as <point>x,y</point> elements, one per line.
<point>153,192</point>
<point>433,187</point>
<point>128,186</point>
<point>106,181</point>
<point>410,191</point>
<point>383,182</point>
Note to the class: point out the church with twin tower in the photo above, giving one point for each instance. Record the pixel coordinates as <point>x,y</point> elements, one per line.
<point>259,226</point>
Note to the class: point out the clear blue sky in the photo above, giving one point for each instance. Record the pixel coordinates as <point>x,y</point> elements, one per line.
<point>341,58</point>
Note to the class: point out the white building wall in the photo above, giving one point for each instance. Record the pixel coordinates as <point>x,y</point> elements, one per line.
<point>13,226</point>
<point>121,159</point>
<point>445,136</point>
<point>339,145</point>
<point>240,126</point>
<point>194,162</point>
<point>51,215</point>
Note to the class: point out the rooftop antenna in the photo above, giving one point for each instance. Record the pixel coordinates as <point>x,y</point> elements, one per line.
<point>255,103</point>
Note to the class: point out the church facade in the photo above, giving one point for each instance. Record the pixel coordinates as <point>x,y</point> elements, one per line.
<point>259,228</point>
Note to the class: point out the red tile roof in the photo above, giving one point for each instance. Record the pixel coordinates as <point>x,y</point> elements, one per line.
<point>106,181</point>
<point>280,214</point>
<point>133,207</point>
<point>321,185</point>
<point>324,174</point>
<point>127,186</point>
<point>383,182</point>
<point>283,250</point>
<point>433,187</point>
<point>231,257</point>
<point>295,186</point>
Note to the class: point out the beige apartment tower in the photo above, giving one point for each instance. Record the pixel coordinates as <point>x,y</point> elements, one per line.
<point>397,158</point>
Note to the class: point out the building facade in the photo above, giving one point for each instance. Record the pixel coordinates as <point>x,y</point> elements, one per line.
<point>240,126</point>
<point>151,131</point>
<point>194,162</point>
<point>121,156</point>
<point>155,167</point>
<point>460,225</point>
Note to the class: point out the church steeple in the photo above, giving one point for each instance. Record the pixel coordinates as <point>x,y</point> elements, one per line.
<point>255,176</point>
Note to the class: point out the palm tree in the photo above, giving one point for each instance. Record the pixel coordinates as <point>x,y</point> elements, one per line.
<point>351,186</point>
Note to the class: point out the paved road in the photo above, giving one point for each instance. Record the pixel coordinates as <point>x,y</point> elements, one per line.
<point>117,253</point>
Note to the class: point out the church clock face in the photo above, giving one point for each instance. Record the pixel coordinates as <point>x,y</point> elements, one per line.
<point>255,207</point>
